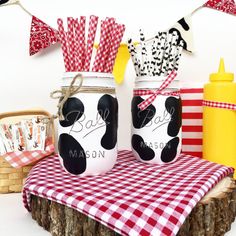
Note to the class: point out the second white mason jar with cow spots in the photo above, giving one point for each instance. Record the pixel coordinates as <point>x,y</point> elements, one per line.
<point>156,120</point>
<point>87,137</point>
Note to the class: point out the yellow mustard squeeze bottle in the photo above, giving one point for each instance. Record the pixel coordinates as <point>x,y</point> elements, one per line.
<point>219,124</point>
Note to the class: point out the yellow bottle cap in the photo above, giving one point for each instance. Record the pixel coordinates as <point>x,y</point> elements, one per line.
<point>222,75</point>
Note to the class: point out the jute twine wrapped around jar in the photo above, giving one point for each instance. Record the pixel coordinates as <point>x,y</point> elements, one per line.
<point>66,92</point>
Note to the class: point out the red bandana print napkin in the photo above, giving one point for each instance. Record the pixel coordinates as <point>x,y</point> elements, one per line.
<point>41,36</point>
<point>227,6</point>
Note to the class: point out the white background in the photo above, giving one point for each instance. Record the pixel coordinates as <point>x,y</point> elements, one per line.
<point>26,82</point>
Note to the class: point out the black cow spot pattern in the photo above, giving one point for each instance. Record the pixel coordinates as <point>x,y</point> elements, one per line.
<point>173,107</point>
<point>141,118</point>
<point>108,110</point>
<point>180,38</point>
<point>72,153</point>
<point>144,152</point>
<point>185,27</point>
<point>184,24</point>
<point>72,110</point>
<point>169,152</point>
<point>3,1</point>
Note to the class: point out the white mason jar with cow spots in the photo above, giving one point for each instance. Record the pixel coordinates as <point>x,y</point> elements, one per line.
<point>87,137</point>
<point>156,121</point>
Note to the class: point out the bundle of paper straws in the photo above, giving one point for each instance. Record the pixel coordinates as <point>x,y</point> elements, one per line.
<point>160,58</point>
<point>78,51</point>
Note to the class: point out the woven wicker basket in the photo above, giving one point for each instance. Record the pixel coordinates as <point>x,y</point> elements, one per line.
<point>12,179</point>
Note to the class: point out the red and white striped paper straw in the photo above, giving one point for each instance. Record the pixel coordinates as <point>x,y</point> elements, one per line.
<point>90,41</point>
<point>71,42</point>
<point>80,42</point>
<point>77,53</point>
<point>104,37</point>
<point>117,36</point>
<point>82,38</point>
<point>105,52</point>
<point>99,49</point>
<point>64,45</point>
<point>76,34</point>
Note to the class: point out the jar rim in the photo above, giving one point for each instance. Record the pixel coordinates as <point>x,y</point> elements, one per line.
<point>90,79</point>
<point>69,75</point>
<point>152,78</point>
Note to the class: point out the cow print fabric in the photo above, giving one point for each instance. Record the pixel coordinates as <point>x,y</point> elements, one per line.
<point>183,28</point>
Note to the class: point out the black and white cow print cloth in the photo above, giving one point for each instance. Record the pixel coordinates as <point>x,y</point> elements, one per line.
<point>87,140</point>
<point>7,2</point>
<point>183,28</point>
<point>3,2</point>
<point>156,131</point>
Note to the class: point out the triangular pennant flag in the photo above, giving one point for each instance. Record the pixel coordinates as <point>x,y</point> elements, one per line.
<point>227,6</point>
<point>121,62</point>
<point>7,2</point>
<point>41,36</point>
<point>184,30</point>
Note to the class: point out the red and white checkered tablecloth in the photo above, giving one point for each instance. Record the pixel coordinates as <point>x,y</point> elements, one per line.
<point>132,199</point>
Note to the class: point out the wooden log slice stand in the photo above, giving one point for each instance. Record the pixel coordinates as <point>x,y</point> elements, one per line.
<point>212,216</point>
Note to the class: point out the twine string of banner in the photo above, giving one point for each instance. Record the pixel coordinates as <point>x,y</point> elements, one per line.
<point>23,8</point>
<point>18,3</point>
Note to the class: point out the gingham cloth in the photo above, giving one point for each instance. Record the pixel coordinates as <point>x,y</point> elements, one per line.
<point>19,159</point>
<point>134,198</point>
<point>223,105</point>
<point>143,105</point>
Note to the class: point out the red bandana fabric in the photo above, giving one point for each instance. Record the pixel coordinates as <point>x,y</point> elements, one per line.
<point>41,36</point>
<point>227,6</point>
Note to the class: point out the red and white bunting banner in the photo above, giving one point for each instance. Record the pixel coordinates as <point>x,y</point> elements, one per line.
<point>41,36</point>
<point>183,28</point>
<point>227,6</point>
<point>8,2</point>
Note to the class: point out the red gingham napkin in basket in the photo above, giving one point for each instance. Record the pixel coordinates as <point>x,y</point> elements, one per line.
<point>134,198</point>
<point>19,159</point>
